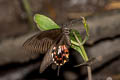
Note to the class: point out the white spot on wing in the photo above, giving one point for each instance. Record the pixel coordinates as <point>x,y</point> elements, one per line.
<point>59,50</point>
<point>52,54</point>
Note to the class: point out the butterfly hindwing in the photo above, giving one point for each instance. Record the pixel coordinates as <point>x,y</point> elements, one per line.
<point>48,59</point>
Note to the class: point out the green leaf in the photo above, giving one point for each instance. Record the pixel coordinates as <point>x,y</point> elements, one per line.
<point>72,36</point>
<point>77,48</point>
<point>44,23</point>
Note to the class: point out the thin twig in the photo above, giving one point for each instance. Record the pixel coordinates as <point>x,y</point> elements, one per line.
<point>81,46</point>
<point>89,72</point>
<point>29,13</point>
<point>75,43</point>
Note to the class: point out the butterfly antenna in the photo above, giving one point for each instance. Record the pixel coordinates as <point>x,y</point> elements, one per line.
<point>58,71</point>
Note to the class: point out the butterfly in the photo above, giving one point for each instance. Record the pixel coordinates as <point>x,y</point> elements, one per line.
<point>55,43</point>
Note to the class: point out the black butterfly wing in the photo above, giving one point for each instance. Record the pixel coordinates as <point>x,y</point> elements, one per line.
<point>47,60</point>
<point>41,42</point>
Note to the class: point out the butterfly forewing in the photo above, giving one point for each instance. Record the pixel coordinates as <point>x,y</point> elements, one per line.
<point>41,42</point>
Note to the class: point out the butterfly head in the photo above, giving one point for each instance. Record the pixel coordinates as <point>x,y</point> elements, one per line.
<point>66,30</point>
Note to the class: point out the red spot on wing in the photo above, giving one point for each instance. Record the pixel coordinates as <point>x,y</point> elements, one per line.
<point>60,58</point>
<point>56,57</point>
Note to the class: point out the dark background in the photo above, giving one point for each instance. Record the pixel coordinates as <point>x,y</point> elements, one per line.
<point>103,17</point>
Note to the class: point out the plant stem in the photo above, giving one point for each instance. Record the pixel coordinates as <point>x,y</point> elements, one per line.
<point>29,13</point>
<point>81,46</point>
<point>89,73</point>
<point>85,57</point>
<point>75,43</point>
